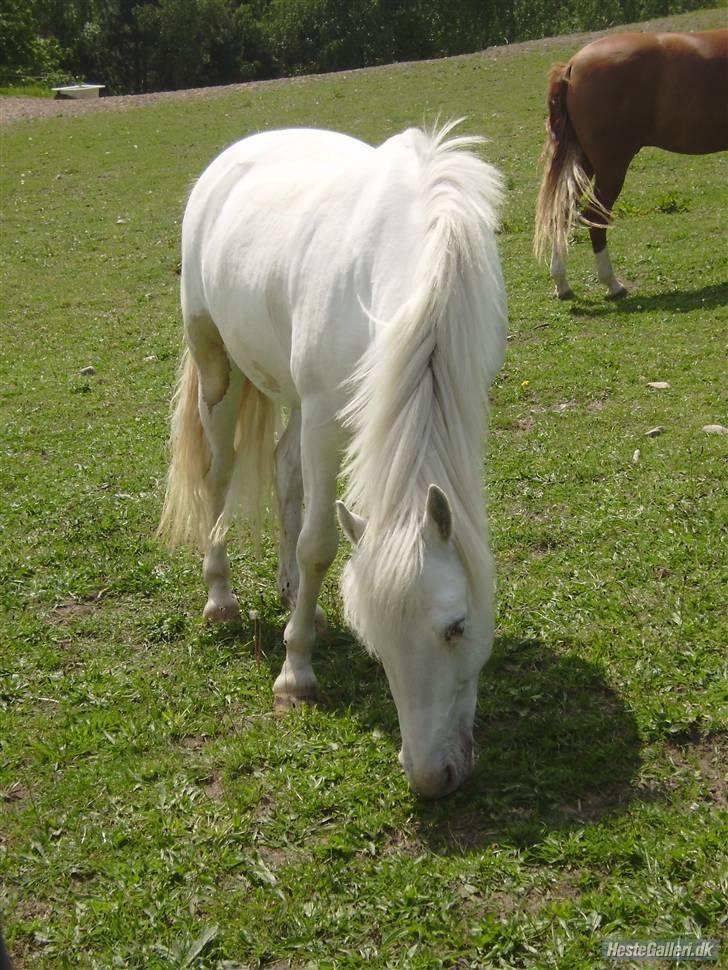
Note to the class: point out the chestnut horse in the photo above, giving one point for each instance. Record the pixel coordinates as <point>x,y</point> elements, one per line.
<point>614,97</point>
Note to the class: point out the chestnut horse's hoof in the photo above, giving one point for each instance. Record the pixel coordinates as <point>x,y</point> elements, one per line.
<point>282,703</point>
<point>221,612</point>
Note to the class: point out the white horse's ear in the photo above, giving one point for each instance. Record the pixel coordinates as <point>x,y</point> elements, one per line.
<point>438,515</point>
<point>352,524</point>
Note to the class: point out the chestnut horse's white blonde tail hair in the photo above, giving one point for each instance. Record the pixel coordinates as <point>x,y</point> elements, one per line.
<point>187,514</point>
<point>567,182</point>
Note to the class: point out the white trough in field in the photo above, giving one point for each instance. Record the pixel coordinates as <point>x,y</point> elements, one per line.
<point>76,91</point>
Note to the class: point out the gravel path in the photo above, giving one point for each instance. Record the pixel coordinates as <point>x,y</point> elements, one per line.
<point>27,109</point>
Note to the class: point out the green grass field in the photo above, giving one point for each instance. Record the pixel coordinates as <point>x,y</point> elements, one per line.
<point>153,811</point>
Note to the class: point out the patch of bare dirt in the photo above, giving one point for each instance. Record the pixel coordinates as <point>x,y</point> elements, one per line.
<point>26,911</point>
<point>75,608</point>
<point>402,846</point>
<point>276,858</point>
<point>16,792</point>
<point>693,767</point>
<point>213,787</point>
<point>30,909</point>
<point>596,805</point>
<point>194,742</point>
<point>265,809</point>
<point>523,425</point>
<point>563,406</point>
<point>524,899</point>
<point>543,547</point>
<point>706,759</point>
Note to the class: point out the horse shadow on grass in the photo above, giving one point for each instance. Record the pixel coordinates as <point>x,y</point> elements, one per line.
<point>557,747</point>
<point>673,301</point>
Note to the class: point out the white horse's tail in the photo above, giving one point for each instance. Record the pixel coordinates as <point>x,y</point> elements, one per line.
<point>186,512</point>
<point>188,517</point>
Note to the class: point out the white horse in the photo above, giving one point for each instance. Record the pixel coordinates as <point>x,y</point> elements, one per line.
<point>360,289</point>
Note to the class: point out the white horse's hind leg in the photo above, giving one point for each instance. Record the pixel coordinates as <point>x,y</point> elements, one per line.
<point>315,551</point>
<point>219,423</point>
<point>221,385</point>
<point>558,274</point>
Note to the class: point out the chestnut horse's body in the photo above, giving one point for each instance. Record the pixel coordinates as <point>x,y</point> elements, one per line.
<point>615,96</point>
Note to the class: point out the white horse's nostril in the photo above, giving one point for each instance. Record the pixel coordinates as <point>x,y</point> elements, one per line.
<point>450,779</point>
<point>437,783</point>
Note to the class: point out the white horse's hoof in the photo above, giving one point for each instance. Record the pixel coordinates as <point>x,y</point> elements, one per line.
<point>282,703</point>
<point>617,294</point>
<point>221,612</point>
<point>564,294</point>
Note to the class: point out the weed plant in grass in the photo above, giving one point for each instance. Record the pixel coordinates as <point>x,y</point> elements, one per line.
<point>153,812</point>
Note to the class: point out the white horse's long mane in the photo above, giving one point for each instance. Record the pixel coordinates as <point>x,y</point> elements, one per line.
<point>417,411</point>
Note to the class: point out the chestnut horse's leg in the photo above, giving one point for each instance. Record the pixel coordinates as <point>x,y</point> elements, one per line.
<point>558,273</point>
<point>607,187</point>
<point>558,254</point>
<point>315,551</point>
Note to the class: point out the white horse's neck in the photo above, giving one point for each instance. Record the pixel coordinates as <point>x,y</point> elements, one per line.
<point>417,412</point>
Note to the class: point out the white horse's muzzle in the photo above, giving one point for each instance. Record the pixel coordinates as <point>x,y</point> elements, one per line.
<point>442,778</point>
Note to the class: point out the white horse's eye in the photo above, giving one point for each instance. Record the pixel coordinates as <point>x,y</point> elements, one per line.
<point>455,630</point>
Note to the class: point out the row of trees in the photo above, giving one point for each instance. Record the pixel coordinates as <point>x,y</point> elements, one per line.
<point>147,45</point>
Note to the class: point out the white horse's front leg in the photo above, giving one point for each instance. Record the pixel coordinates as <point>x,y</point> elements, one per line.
<point>315,551</point>
<point>558,274</point>
<point>615,288</point>
<point>289,490</point>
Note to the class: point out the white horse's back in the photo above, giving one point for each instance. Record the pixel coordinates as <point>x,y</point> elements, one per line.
<point>293,241</point>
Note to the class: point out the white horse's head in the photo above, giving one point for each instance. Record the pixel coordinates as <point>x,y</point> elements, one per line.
<point>432,645</point>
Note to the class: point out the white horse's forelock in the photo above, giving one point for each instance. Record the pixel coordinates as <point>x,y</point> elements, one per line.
<point>416,414</point>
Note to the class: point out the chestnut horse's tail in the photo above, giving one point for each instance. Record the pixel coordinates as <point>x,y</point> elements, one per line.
<point>566,179</point>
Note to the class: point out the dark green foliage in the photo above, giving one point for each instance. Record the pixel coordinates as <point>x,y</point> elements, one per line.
<point>17,32</point>
<point>148,45</point>
<point>24,55</point>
